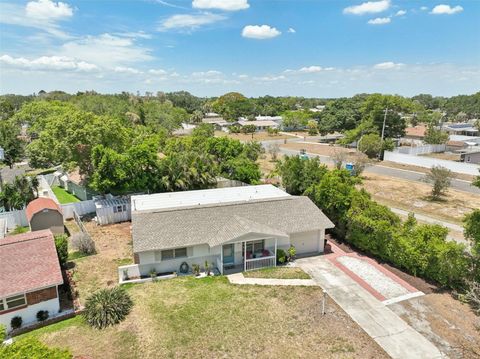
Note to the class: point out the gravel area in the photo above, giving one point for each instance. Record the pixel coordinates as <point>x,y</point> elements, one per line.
<point>375,278</point>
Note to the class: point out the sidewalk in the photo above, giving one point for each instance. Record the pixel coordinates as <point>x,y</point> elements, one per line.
<point>238,278</point>
<point>393,334</point>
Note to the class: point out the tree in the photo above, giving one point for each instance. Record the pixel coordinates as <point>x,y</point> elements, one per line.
<point>435,136</point>
<point>249,129</point>
<point>295,119</point>
<point>370,144</point>
<point>19,193</point>
<point>13,146</point>
<point>440,178</point>
<point>298,174</point>
<point>339,157</point>
<point>472,230</point>
<point>61,244</point>
<point>312,126</point>
<point>360,162</point>
<point>243,169</point>
<point>232,106</point>
<point>196,116</point>
<point>273,150</point>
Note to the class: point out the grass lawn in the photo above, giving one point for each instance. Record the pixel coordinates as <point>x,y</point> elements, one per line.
<point>278,273</point>
<point>209,318</point>
<point>19,230</point>
<point>63,196</point>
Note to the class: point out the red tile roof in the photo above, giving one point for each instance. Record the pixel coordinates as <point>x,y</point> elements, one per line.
<point>39,204</point>
<point>28,261</point>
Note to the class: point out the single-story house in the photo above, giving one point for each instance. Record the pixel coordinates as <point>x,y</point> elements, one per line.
<point>30,275</point>
<point>45,213</point>
<point>277,119</point>
<point>471,156</point>
<point>219,123</point>
<point>259,125</point>
<point>237,228</point>
<point>464,129</point>
<point>415,132</point>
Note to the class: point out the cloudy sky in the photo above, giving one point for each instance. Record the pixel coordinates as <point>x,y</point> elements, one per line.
<point>320,48</point>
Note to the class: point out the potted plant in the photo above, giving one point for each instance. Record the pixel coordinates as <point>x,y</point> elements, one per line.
<point>207,268</point>
<point>196,269</point>
<point>153,273</point>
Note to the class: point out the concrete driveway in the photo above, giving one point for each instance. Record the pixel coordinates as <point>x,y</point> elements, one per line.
<point>393,334</point>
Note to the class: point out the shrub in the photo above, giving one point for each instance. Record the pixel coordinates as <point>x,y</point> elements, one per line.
<point>473,296</point>
<point>107,307</point>
<point>83,243</point>
<point>281,256</point>
<point>61,243</point>
<point>440,178</point>
<point>32,348</point>
<point>42,315</point>
<point>16,322</point>
<point>3,333</point>
<point>196,269</point>
<point>292,252</point>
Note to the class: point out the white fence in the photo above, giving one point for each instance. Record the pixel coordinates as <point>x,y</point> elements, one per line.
<point>421,150</point>
<point>258,263</point>
<point>428,162</point>
<point>81,208</point>
<point>15,218</point>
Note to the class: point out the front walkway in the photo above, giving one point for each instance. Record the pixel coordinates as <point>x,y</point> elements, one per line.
<point>393,334</point>
<point>238,278</point>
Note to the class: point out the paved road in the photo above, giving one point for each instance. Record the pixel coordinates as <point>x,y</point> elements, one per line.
<point>394,172</point>
<point>8,174</point>
<point>392,333</point>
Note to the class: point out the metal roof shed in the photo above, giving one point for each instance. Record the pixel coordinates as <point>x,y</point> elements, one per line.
<point>113,210</point>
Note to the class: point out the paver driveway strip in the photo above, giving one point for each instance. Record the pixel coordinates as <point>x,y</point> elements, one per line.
<point>393,334</point>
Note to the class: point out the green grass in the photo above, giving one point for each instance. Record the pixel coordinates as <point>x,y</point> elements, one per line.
<point>63,196</point>
<point>19,230</point>
<point>210,318</point>
<point>278,273</point>
<point>76,255</point>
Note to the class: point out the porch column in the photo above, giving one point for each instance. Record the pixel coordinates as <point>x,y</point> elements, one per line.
<point>275,251</point>
<point>244,256</point>
<point>221,259</point>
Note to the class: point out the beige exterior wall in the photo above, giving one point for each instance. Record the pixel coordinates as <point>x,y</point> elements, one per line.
<point>47,219</point>
<point>308,242</point>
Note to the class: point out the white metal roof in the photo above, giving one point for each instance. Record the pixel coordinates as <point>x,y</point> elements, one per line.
<point>111,202</point>
<point>164,201</point>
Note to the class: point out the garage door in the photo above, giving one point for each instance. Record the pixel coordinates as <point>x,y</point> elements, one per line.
<point>305,242</point>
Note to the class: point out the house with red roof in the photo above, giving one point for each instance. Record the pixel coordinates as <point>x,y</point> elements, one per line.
<point>29,277</point>
<point>45,213</point>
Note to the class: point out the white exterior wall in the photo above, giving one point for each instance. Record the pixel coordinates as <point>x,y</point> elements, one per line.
<point>429,162</point>
<point>81,208</point>
<point>29,314</point>
<point>106,215</point>
<point>308,242</point>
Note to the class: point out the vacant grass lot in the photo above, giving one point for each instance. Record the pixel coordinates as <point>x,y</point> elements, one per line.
<point>278,273</point>
<point>210,318</point>
<point>63,196</point>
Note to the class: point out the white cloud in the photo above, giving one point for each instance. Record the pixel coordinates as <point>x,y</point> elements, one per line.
<point>310,69</point>
<point>291,30</point>
<point>226,5</point>
<point>128,70</point>
<point>190,22</point>
<point>370,7</point>
<point>207,74</point>
<point>380,21</point>
<point>401,13</point>
<point>47,9</point>
<point>43,15</point>
<point>270,78</point>
<point>424,8</point>
<point>48,63</point>
<point>389,65</point>
<point>157,72</point>
<point>446,10</point>
<point>260,32</point>
<point>106,50</point>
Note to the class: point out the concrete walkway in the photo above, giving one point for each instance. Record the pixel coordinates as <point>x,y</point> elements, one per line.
<point>238,278</point>
<point>393,334</point>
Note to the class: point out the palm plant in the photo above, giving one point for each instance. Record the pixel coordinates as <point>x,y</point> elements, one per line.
<point>107,307</point>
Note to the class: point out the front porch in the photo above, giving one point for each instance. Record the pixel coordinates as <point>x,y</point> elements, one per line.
<point>255,254</point>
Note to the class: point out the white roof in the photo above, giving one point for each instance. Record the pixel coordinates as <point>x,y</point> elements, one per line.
<point>164,201</point>
<point>265,118</point>
<point>464,138</point>
<point>111,202</point>
<point>267,123</point>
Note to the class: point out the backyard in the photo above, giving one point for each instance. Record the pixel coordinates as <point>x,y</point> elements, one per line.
<point>63,196</point>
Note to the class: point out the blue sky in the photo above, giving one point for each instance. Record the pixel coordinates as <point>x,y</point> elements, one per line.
<point>318,48</point>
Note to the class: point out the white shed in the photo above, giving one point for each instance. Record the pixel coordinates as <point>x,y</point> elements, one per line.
<point>113,210</point>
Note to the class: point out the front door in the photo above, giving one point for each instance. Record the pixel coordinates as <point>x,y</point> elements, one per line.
<point>228,254</point>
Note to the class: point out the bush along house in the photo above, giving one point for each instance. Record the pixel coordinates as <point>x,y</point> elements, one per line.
<point>30,275</point>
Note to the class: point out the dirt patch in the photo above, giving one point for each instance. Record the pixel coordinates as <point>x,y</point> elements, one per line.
<point>114,248</point>
<point>414,196</point>
<point>444,156</point>
<point>317,148</point>
<point>448,323</point>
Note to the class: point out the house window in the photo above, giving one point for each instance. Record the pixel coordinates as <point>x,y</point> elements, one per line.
<point>174,253</point>
<point>255,246</point>
<point>13,302</point>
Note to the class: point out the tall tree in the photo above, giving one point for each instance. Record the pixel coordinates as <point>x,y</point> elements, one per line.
<point>12,145</point>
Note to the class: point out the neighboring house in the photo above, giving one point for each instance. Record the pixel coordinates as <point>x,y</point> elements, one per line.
<point>259,125</point>
<point>2,154</point>
<point>415,133</point>
<point>219,123</point>
<point>187,129</point>
<point>237,228</point>
<point>277,119</point>
<point>30,275</point>
<point>463,129</point>
<point>45,213</point>
<point>471,156</point>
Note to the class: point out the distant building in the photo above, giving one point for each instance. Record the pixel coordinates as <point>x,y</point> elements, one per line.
<point>463,129</point>
<point>415,133</point>
<point>259,125</point>
<point>471,156</point>
<point>2,154</point>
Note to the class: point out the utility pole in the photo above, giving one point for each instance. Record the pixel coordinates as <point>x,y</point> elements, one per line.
<point>384,121</point>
